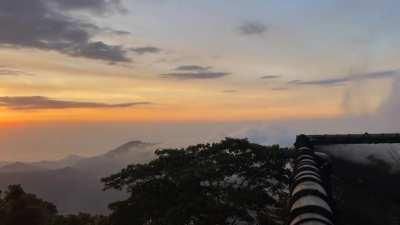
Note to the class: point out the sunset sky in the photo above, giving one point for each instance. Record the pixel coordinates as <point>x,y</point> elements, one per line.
<point>189,62</point>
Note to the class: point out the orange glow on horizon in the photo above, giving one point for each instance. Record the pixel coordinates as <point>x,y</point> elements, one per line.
<point>155,114</point>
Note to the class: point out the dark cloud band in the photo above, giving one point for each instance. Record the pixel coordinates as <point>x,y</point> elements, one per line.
<point>252,28</point>
<point>95,6</point>
<point>196,75</point>
<point>346,79</point>
<point>43,24</point>
<point>145,50</point>
<point>192,68</point>
<point>270,77</point>
<point>6,71</point>
<point>40,102</point>
<point>188,72</point>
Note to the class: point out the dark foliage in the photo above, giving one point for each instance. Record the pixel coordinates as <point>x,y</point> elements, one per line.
<point>366,194</point>
<point>20,208</point>
<point>80,219</point>
<point>230,182</point>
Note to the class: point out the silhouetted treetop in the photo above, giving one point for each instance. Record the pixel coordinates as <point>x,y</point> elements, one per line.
<point>230,182</point>
<point>20,208</point>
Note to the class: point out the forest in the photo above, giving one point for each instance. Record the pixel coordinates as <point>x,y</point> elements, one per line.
<point>230,182</point>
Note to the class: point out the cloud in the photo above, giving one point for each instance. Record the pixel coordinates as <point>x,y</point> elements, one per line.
<point>196,75</point>
<point>325,82</point>
<point>253,28</point>
<point>40,102</point>
<point>383,120</point>
<point>95,6</point>
<point>390,107</point>
<point>45,25</point>
<point>111,31</point>
<point>192,68</point>
<point>100,50</point>
<point>279,88</point>
<point>186,72</point>
<point>270,77</point>
<point>144,50</point>
<point>351,78</point>
<point>5,71</point>
<point>267,134</point>
<point>230,91</point>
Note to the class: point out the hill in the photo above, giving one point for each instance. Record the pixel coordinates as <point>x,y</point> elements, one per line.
<point>73,183</point>
<point>19,167</point>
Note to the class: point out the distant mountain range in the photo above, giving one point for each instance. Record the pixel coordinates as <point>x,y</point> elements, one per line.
<point>19,167</point>
<point>73,183</point>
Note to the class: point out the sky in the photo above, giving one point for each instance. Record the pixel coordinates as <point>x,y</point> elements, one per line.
<point>82,76</point>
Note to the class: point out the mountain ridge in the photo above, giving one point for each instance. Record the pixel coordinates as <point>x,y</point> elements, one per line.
<point>75,186</point>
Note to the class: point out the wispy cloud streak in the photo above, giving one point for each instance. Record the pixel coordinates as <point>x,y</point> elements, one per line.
<point>350,78</point>
<point>6,71</point>
<point>40,102</point>
<point>196,75</point>
<point>252,28</point>
<point>270,77</point>
<point>189,72</point>
<point>145,50</point>
<point>192,68</point>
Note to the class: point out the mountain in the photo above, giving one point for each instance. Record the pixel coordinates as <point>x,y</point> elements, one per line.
<point>3,163</point>
<point>71,190</point>
<point>73,183</point>
<point>19,167</point>
<point>68,161</point>
<point>118,158</point>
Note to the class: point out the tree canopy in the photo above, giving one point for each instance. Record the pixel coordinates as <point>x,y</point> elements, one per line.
<point>20,208</point>
<point>230,182</point>
<point>80,219</point>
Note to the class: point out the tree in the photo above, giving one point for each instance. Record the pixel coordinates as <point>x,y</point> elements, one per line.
<point>231,182</point>
<point>20,208</point>
<point>80,219</point>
